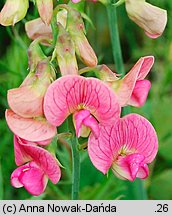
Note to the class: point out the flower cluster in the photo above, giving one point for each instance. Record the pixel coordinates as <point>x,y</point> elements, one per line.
<point>41,103</point>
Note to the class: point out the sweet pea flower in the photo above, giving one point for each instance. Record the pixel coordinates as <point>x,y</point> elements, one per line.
<point>132,89</point>
<point>45,9</point>
<point>13,11</point>
<point>26,116</point>
<point>27,100</point>
<point>126,146</point>
<point>88,99</point>
<point>150,18</point>
<point>40,166</point>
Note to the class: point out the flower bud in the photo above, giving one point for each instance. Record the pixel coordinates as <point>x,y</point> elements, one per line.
<point>65,51</point>
<point>150,18</point>
<point>75,26</point>
<point>45,8</point>
<point>13,11</point>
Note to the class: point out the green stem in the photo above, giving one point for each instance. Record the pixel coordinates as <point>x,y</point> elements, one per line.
<point>135,190</point>
<point>75,161</point>
<point>114,33</point>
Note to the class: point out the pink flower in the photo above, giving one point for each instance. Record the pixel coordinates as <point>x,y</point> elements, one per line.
<point>34,174</point>
<point>89,99</point>
<point>33,129</point>
<point>132,89</point>
<point>126,146</point>
<point>26,117</point>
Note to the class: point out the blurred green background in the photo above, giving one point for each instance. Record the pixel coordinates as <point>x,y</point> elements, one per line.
<point>158,108</point>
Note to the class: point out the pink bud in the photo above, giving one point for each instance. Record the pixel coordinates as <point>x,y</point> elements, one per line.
<point>75,26</point>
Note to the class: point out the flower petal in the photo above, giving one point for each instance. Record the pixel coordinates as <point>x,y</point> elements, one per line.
<point>31,177</point>
<point>140,93</point>
<point>72,93</point>
<point>21,156</point>
<point>131,166</point>
<point>25,102</point>
<point>124,87</point>
<point>45,160</point>
<point>37,129</point>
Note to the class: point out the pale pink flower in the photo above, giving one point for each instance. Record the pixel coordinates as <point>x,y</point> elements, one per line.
<point>149,17</point>
<point>27,100</point>
<point>41,165</point>
<point>89,99</point>
<point>126,146</point>
<point>26,117</point>
<point>13,11</point>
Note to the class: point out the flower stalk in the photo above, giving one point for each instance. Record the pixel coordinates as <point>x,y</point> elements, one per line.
<point>114,33</point>
<point>75,161</point>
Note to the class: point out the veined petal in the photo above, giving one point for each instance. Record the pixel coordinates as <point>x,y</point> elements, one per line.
<point>25,101</point>
<point>45,160</point>
<point>37,129</point>
<point>132,134</point>
<point>72,93</point>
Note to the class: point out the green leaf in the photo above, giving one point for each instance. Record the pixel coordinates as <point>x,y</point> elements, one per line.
<point>160,187</point>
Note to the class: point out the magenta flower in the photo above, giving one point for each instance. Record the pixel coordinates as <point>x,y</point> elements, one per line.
<point>126,146</point>
<point>89,99</point>
<point>33,176</point>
